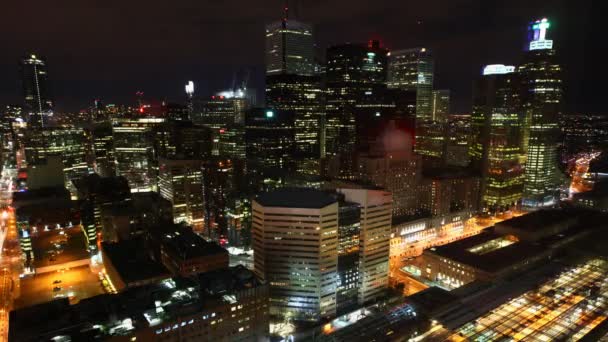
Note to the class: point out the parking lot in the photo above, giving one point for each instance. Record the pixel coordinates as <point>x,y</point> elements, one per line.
<point>75,283</point>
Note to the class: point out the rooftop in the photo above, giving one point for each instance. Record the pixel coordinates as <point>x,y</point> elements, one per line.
<point>297,198</point>
<point>130,260</point>
<point>104,316</point>
<point>493,260</point>
<point>538,220</point>
<point>183,242</point>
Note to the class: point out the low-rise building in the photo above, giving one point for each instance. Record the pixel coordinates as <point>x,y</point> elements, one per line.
<point>185,253</point>
<point>128,265</point>
<point>224,305</point>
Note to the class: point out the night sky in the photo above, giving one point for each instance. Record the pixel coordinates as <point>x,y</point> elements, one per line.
<point>109,49</point>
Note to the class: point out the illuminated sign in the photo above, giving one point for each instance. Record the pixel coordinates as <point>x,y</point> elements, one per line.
<point>539,35</point>
<point>498,69</point>
<point>269,114</point>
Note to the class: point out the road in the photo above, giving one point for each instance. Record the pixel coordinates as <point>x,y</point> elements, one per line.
<point>579,173</point>
<point>10,252</point>
<point>399,257</point>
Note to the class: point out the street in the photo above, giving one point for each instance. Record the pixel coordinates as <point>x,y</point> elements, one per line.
<point>10,252</point>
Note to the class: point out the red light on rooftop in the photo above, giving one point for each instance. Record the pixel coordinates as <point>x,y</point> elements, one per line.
<point>141,110</point>
<point>222,131</point>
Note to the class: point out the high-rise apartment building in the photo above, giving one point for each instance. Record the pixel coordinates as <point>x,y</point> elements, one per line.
<point>295,243</point>
<point>497,123</point>
<point>36,90</point>
<point>542,96</point>
<point>289,47</point>
<point>181,182</point>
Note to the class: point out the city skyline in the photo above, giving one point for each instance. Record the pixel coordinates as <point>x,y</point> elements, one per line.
<point>351,171</point>
<point>159,59</point>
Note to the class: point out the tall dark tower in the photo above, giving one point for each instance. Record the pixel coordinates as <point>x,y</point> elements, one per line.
<point>542,97</point>
<point>291,86</point>
<point>289,47</point>
<point>34,78</point>
<point>356,78</point>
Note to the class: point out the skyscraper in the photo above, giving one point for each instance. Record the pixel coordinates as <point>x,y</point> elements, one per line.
<point>295,243</point>
<point>412,69</point>
<point>441,105</point>
<point>542,96</point>
<point>289,47</point>
<point>224,109</point>
<point>496,150</point>
<point>303,96</point>
<point>374,241</point>
<point>270,141</point>
<point>36,90</point>
<point>180,182</point>
<point>356,79</point>
<point>69,144</point>
<point>134,151</point>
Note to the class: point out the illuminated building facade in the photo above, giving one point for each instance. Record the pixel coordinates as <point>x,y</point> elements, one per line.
<point>441,105</point>
<point>289,48</point>
<point>182,139</point>
<point>458,140</point>
<point>542,89</point>
<point>103,149</point>
<point>180,181</point>
<point>231,142</point>
<point>270,141</point>
<point>399,176</point>
<point>295,243</point>
<point>225,115</point>
<point>68,143</point>
<point>374,241</point>
<point>497,122</point>
<point>36,90</point>
<point>349,228</point>
<point>303,96</point>
<point>134,151</point>
<point>224,109</point>
<point>449,190</point>
<point>413,69</point>
<point>355,73</point>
